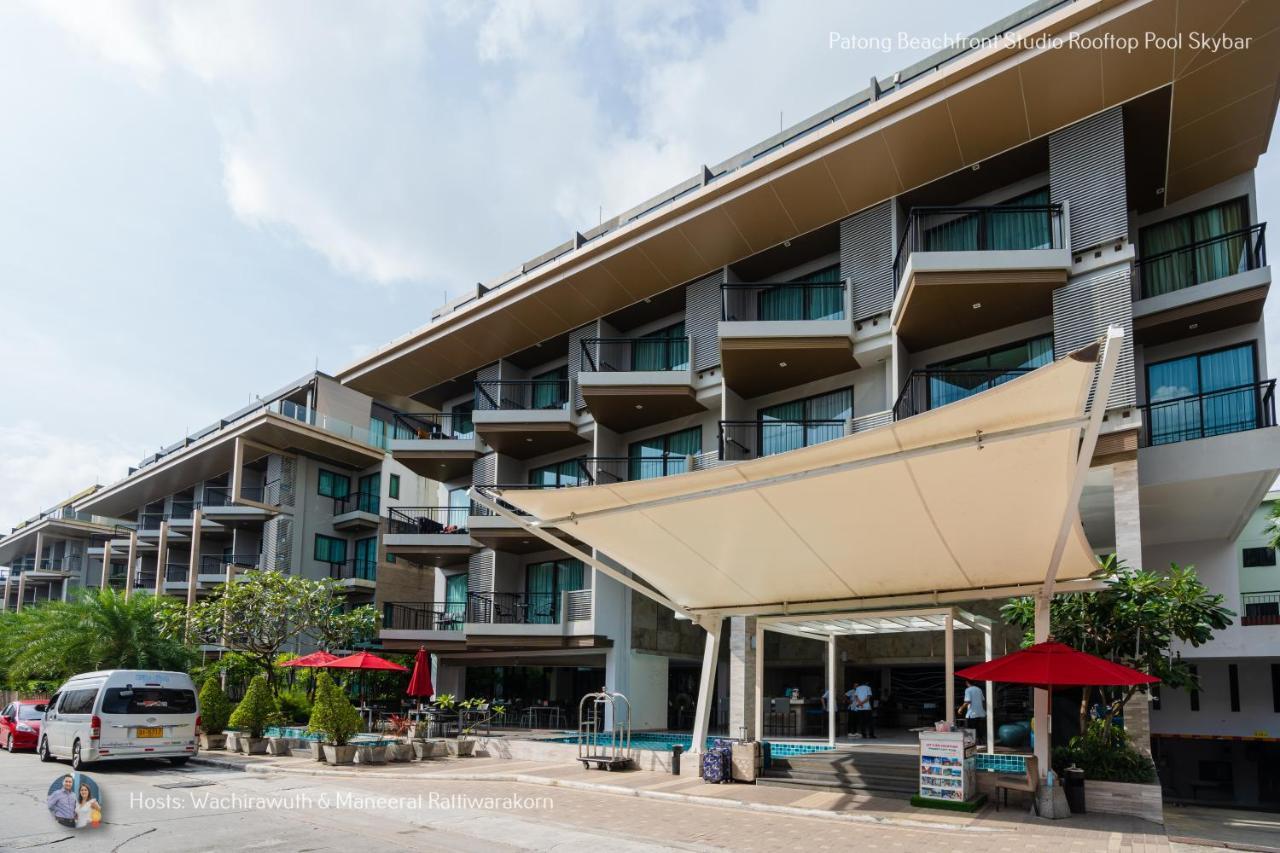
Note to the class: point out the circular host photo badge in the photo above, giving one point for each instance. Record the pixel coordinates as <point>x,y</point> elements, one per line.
<point>75,802</point>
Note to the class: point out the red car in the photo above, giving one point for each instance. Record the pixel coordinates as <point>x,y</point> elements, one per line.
<point>20,724</point>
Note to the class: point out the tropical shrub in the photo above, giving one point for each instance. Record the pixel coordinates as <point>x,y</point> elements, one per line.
<point>294,705</point>
<point>1105,754</point>
<point>215,708</point>
<point>333,715</point>
<point>256,710</point>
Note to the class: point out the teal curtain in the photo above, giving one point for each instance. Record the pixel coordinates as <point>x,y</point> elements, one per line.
<point>330,549</point>
<point>1228,410</point>
<point>780,429</point>
<point>462,425</point>
<point>378,433</point>
<point>459,509</point>
<point>1222,257</point>
<point>1178,384</point>
<point>540,590</point>
<point>664,349</point>
<point>1165,273</point>
<point>366,563</point>
<point>571,575</point>
<point>955,235</point>
<point>781,303</point>
<point>826,303</point>
<point>368,498</point>
<point>455,594</point>
<point>971,374</point>
<point>834,408</point>
<point>1009,229</point>
<point>333,485</point>
<point>549,389</point>
<point>663,454</point>
<point>570,472</point>
<point>801,301</point>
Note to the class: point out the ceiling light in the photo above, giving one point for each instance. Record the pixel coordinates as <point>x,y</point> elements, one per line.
<point>977,305</point>
<point>639,406</point>
<point>786,244</point>
<point>1194,326</point>
<point>782,364</point>
<point>530,440</point>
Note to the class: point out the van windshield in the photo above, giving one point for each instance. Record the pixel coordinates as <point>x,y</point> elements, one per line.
<point>148,700</point>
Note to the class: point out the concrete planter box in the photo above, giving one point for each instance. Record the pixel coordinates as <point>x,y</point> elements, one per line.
<point>208,741</point>
<point>278,746</point>
<point>371,755</point>
<point>252,745</point>
<point>400,752</point>
<point>1125,798</point>
<point>317,750</point>
<point>339,755</point>
<point>424,750</point>
<point>233,740</point>
<point>461,747</point>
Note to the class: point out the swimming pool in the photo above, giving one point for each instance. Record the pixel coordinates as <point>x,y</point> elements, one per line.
<point>665,740</point>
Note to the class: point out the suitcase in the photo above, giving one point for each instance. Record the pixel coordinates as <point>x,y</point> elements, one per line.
<point>716,766</point>
<point>766,754</point>
<point>746,761</point>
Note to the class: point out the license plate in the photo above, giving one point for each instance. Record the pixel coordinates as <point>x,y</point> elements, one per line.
<point>150,732</point>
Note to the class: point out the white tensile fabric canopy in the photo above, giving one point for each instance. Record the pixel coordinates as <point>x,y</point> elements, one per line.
<point>968,496</point>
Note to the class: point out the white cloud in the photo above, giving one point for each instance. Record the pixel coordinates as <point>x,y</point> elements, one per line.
<point>40,468</point>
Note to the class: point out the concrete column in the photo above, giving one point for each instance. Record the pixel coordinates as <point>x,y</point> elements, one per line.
<point>706,688</point>
<point>949,664</point>
<point>4,605</point>
<point>991,695</point>
<point>39,549</point>
<point>742,676</point>
<point>22,589</point>
<point>66,582</point>
<point>193,565</point>
<point>162,556</point>
<point>1124,490</point>
<point>106,565</point>
<point>832,702</point>
<point>1040,698</point>
<point>130,566</point>
<point>758,639</point>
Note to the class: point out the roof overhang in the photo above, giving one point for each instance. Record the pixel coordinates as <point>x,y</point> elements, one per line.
<point>985,102</point>
<point>982,494</point>
<point>23,541</point>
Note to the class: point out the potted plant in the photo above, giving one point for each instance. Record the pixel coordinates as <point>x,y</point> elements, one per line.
<point>399,749</point>
<point>215,711</point>
<point>256,711</point>
<point>472,714</point>
<point>336,719</point>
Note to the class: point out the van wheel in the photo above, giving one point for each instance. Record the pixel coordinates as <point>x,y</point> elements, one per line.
<point>75,756</point>
<point>179,761</point>
<point>45,754</point>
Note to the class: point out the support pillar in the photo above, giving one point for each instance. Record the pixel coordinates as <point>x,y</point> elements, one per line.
<point>162,556</point>
<point>832,701</point>
<point>706,688</point>
<point>106,565</point>
<point>742,677</point>
<point>991,694</point>
<point>758,639</point>
<point>39,550</point>
<point>1128,516</point>
<point>66,583</point>
<point>1040,698</point>
<point>193,565</point>
<point>22,589</point>
<point>130,566</point>
<point>4,605</point>
<point>949,658</point>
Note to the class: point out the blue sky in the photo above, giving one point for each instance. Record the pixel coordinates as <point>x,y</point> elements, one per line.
<point>202,201</point>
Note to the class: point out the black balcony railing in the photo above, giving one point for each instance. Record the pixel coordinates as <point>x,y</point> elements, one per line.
<point>359,568</point>
<point>176,572</point>
<point>783,300</point>
<point>267,493</point>
<point>180,509</point>
<point>431,427</point>
<point>929,389</point>
<point>216,564</point>
<point>621,469</point>
<point>1236,409</point>
<point>752,439</point>
<point>61,564</point>
<point>522,395</point>
<point>145,578</point>
<point>996,228</point>
<point>150,520</point>
<point>357,502</point>
<point>514,608</point>
<point>1261,608</point>
<point>427,519</point>
<point>422,616</point>
<point>617,355</point>
<point>1202,261</point>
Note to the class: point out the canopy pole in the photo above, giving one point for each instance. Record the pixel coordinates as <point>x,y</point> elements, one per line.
<point>831,691</point>
<point>949,657</point>
<point>758,639</point>
<point>1039,697</point>
<point>706,689</point>
<point>991,694</point>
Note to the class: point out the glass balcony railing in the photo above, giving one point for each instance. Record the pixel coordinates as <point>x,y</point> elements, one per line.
<point>1200,262</point>
<point>619,355</point>
<point>783,300</point>
<point>1236,409</point>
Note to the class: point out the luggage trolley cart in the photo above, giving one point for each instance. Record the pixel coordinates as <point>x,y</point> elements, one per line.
<point>611,749</point>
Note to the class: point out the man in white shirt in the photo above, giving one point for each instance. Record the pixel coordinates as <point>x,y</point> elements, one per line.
<point>975,714</point>
<point>863,710</point>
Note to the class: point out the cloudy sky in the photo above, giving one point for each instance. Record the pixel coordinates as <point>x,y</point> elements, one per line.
<point>200,202</point>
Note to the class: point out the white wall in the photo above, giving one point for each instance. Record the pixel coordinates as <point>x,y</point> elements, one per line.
<point>1256,717</point>
<point>648,694</point>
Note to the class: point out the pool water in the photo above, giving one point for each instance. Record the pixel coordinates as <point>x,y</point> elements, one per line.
<point>666,740</point>
<point>301,733</point>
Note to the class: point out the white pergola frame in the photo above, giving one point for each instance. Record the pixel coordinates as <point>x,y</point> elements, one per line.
<point>711,620</point>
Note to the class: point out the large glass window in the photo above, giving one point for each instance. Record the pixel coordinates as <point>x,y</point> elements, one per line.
<point>330,549</point>
<point>366,563</point>
<point>462,426</point>
<point>551,389</point>
<point>459,510</point>
<point>1000,227</point>
<point>663,454</point>
<point>664,349</point>
<point>799,423</point>
<point>1164,269</point>
<point>544,582</point>
<point>570,472</point>
<point>367,497</point>
<point>333,485</point>
<point>1201,395</point>
<point>796,301</point>
<point>379,432</point>
<point>393,487</point>
<point>455,595</point>
<point>963,377</point>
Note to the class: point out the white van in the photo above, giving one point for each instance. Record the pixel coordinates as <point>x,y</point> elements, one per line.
<point>122,713</point>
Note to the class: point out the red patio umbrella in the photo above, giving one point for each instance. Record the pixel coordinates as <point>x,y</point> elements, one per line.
<point>420,682</point>
<point>364,660</point>
<point>1050,664</point>
<point>315,659</point>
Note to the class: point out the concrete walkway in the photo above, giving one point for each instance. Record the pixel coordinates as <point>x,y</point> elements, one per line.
<point>1198,827</point>
<point>1116,834</point>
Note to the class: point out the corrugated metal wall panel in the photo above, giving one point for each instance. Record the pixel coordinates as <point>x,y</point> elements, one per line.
<point>576,337</point>
<point>488,373</point>
<point>484,471</point>
<point>1082,311</point>
<point>1086,170</point>
<point>702,319</point>
<point>480,572</point>
<point>866,259</point>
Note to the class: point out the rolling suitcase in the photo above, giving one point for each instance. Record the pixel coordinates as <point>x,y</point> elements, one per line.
<point>716,765</point>
<point>747,758</point>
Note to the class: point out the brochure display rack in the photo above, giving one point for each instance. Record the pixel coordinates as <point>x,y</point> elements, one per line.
<point>947,766</point>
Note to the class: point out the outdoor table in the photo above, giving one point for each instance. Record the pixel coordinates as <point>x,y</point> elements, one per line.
<point>553,712</point>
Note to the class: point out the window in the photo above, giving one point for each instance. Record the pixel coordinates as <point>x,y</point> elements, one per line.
<point>822,300</point>
<point>570,472</point>
<point>333,485</point>
<point>148,700</point>
<point>801,423</point>
<point>393,487</point>
<point>330,549</point>
<point>459,510</point>
<point>29,712</point>
<point>1233,686</point>
<point>664,349</point>
<point>1255,558</point>
<point>543,584</point>
<point>366,563</point>
<point>367,497</point>
<point>1164,268</point>
<point>550,390</point>
<point>964,377</point>
<point>455,594</point>
<point>1201,395</point>
<point>379,432</point>
<point>1195,694</point>
<point>78,701</point>
<point>462,425</point>
<point>999,227</point>
<point>663,454</point>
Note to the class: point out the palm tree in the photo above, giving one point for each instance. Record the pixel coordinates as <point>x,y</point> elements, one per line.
<point>1273,521</point>
<point>95,630</point>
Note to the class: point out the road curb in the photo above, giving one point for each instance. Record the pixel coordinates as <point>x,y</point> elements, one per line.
<point>619,790</point>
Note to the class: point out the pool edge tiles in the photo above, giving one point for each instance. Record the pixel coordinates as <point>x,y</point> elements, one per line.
<point>661,741</point>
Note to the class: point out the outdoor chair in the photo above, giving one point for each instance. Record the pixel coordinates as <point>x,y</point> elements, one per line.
<point>1028,781</point>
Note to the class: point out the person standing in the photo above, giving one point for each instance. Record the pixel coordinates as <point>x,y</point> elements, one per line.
<point>864,709</point>
<point>975,711</point>
<point>62,802</point>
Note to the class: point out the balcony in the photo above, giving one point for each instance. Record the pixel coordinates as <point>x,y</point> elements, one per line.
<point>357,573</point>
<point>964,271</point>
<point>525,418</point>
<point>629,383</point>
<point>777,334</point>
<point>439,446</point>
<point>1202,287</point>
<point>423,621</point>
<point>528,613</point>
<point>930,389</point>
<point>501,534</point>
<point>357,511</point>
<point>429,535</point>
<point>218,505</point>
<point>1237,409</point>
<point>1260,608</point>
<point>740,440</point>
